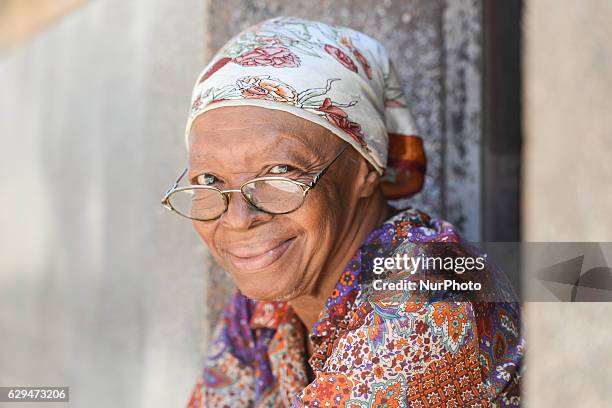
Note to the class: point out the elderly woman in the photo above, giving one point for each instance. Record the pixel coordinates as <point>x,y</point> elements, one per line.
<point>300,142</point>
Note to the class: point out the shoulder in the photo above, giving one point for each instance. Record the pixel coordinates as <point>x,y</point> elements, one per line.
<point>395,323</point>
<point>416,225</point>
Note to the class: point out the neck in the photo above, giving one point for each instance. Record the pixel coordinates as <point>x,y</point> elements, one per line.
<point>366,218</point>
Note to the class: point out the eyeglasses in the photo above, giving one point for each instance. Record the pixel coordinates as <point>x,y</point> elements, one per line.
<point>270,194</point>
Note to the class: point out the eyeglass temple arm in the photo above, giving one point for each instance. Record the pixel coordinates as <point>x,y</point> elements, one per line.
<point>320,174</point>
<point>178,180</point>
<point>180,177</point>
<point>175,184</point>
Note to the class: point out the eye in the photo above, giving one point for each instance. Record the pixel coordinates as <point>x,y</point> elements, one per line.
<point>281,169</point>
<point>206,179</point>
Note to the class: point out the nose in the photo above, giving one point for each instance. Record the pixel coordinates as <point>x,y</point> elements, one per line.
<point>240,214</point>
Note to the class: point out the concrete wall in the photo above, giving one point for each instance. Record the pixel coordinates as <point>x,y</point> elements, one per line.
<point>101,289</point>
<point>567,189</point>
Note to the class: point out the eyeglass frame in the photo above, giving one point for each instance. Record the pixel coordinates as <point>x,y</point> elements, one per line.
<point>305,187</point>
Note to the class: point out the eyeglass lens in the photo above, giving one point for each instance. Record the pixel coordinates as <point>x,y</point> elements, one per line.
<point>272,196</point>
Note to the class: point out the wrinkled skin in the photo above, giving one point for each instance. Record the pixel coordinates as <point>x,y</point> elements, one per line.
<point>298,256</point>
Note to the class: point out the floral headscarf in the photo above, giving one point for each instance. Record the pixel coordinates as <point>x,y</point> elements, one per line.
<point>334,76</point>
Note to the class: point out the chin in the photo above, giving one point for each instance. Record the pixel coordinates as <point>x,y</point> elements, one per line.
<point>275,284</point>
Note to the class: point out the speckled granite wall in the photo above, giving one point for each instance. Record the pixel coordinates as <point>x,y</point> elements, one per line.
<point>436,46</point>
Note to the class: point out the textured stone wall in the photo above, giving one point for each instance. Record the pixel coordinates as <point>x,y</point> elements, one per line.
<point>436,47</point>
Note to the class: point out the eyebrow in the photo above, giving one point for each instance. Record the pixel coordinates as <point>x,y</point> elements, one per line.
<point>316,147</point>
<point>303,159</point>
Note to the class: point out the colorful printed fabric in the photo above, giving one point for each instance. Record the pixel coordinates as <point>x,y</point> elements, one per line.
<point>407,351</point>
<point>333,76</point>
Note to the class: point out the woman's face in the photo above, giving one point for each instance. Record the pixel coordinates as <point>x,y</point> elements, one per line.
<point>272,256</point>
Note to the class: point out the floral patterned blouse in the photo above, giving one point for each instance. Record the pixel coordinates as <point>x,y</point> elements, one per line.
<point>442,351</point>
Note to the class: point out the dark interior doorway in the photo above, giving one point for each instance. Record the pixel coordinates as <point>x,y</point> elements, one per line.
<point>502,128</point>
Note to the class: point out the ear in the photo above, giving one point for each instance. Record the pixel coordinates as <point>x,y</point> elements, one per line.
<point>370,181</point>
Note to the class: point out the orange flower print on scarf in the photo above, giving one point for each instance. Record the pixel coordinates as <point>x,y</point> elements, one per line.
<point>266,88</point>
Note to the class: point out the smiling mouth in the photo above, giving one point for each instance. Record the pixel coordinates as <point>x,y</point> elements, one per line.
<point>255,261</point>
